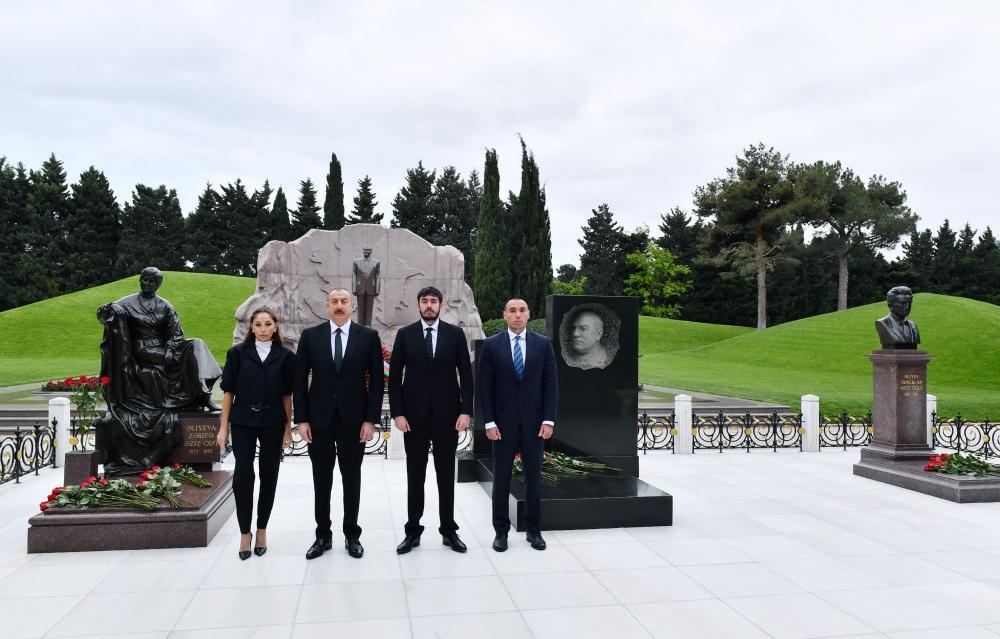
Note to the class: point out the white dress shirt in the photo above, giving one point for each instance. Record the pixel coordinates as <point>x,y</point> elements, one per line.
<point>524,358</point>
<point>263,349</point>
<point>434,334</point>
<point>345,332</point>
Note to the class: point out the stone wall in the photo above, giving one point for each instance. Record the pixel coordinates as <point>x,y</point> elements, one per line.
<point>293,279</point>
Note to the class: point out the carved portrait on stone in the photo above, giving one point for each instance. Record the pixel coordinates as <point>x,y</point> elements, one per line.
<point>894,330</point>
<point>588,336</point>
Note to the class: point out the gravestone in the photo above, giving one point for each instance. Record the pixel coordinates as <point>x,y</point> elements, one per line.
<point>596,342</point>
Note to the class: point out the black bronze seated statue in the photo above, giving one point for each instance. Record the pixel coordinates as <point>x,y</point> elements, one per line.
<point>155,375</point>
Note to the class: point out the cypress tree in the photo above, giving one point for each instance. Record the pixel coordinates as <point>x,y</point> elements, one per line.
<point>492,273</point>
<point>22,277</point>
<point>280,228</point>
<point>306,215</point>
<point>602,260</point>
<point>364,205</point>
<point>333,203</point>
<point>152,230</point>
<point>532,238</point>
<point>450,206</point>
<point>95,230</point>
<point>411,208</point>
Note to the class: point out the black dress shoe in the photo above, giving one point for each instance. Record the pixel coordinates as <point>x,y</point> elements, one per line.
<point>500,543</point>
<point>354,548</point>
<point>244,554</point>
<point>536,541</point>
<point>318,548</point>
<point>259,550</point>
<point>409,543</point>
<point>454,542</point>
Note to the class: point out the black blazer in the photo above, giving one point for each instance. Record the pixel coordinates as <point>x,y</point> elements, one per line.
<point>511,402</point>
<point>258,384</point>
<point>430,382</point>
<point>331,393</point>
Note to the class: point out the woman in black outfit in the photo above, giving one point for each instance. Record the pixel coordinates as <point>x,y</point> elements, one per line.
<point>257,381</point>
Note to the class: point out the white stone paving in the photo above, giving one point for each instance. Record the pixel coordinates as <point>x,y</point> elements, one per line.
<point>787,545</point>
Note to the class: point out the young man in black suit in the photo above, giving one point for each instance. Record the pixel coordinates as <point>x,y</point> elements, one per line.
<point>430,404</point>
<point>519,394</point>
<point>336,413</point>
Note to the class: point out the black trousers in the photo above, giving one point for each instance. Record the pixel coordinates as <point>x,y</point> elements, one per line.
<point>245,439</point>
<point>532,448</point>
<point>329,446</point>
<point>416,443</point>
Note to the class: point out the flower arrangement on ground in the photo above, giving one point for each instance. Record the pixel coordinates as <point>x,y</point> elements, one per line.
<point>555,465</point>
<point>156,486</point>
<point>959,464</point>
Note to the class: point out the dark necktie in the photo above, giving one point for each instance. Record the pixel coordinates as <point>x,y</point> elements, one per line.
<point>518,357</point>
<point>338,350</point>
<point>429,343</point>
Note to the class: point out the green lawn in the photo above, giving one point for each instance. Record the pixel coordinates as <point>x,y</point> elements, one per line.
<point>658,335</point>
<point>825,356</point>
<point>59,337</point>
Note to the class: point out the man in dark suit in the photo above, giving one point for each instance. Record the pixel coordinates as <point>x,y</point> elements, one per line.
<point>430,404</point>
<point>336,413</point>
<point>519,394</point>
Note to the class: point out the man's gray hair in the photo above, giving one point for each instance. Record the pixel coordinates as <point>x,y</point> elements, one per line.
<point>898,290</point>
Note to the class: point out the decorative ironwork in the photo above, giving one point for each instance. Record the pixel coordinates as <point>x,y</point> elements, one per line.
<point>81,437</point>
<point>975,438</point>
<point>845,430</point>
<point>747,431</point>
<point>26,451</point>
<point>656,432</point>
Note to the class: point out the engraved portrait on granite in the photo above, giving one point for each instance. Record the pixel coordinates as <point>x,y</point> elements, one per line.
<point>589,336</point>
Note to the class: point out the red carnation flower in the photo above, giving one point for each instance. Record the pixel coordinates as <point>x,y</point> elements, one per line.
<point>83,378</point>
<point>68,381</point>
<point>92,479</point>
<point>84,484</point>
<point>105,380</point>
<point>141,485</point>
<point>944,455</point>
<point>176,465</point>
<point>517,456</point>
<point>43,506</point>
<point>103,482</point>
<point>57,490</point>
<point>144,475</point>
<point>155,468</point>
<point>928,468</point>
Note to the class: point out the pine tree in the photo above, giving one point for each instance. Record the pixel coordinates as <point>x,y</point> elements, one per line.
<point>679,236</point>
<point>492,273</point>
<point>152,231</point>
<point>280,228</point>
<point>945,273</point>
<point>333,203</point>
<point>451,206</point>
<point>986,256</point>
<point>306,215</point>
<point>206,237</point>
<point>532,240</point>
<point>245,219</point>
<point>602,260</point>
<point>364,205</point>
<point>750,207</point>
<point>411,208</point>
<point>916,269</point>
<point>95,230</point>
<point>48,210</point>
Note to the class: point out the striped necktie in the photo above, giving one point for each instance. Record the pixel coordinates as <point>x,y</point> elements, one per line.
<point>518,358</point>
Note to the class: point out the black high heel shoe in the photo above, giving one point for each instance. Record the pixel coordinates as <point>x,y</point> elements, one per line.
<point>259,550</point>
<point>244,554</point>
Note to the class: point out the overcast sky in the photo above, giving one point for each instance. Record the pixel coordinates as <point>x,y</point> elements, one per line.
<point>634,104</point>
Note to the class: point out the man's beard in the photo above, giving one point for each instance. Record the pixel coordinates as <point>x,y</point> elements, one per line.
<point>429,315</point>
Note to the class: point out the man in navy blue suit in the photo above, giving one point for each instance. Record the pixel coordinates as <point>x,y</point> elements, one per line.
<point>519,391</point>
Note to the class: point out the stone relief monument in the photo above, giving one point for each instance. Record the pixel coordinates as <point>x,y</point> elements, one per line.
<point>155,375</point>
<point>588,336</point>
<point>293,278</point>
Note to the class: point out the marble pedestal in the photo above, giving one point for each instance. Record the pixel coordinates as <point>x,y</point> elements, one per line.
<point>62,530</point>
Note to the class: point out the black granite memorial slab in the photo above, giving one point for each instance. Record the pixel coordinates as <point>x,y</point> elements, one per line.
<point>192,526</point>
<point>596,341</point>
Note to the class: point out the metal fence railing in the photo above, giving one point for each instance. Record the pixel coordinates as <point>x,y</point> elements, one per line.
<point>26,450</point>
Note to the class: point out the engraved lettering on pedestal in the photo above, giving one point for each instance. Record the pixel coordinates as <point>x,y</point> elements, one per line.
<point>911,385</point>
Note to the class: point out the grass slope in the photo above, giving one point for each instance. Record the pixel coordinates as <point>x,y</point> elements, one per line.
<point>657,335</point>
<point>58,337</point>
<point>825,355</point>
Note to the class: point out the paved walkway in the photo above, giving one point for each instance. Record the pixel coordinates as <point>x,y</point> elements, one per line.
<point>765,544</point>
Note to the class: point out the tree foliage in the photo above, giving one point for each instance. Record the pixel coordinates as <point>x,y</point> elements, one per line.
<point>333,201</point>
<point>364,204</point>
<point>152,230</point>
<point>657,279</point>
<point>492,275</point>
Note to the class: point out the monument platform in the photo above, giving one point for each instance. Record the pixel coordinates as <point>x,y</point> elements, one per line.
<point>575,503</point>
<point>64,530</point>
<point>910,474</point>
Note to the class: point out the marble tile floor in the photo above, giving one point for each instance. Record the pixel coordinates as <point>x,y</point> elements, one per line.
<point>785,545</point>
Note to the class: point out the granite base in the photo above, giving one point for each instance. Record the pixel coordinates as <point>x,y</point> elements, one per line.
<point>911,475</point>
<point>584,502</point>
<point>61,530</point>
